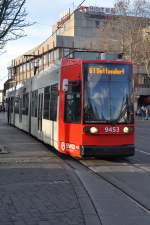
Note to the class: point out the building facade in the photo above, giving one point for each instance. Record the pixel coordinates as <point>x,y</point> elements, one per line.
<point>82,29</point>
<point>78,30</point>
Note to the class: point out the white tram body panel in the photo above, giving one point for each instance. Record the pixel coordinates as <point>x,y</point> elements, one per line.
<point>31,119</point>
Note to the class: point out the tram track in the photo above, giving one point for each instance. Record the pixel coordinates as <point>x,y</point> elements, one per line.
<point>110,181</point>
<point>124,163</point>
<point>136,163</point>
<point>134,192</point>
<point>113,182</point>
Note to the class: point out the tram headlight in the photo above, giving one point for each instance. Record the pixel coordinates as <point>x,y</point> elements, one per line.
<point>93,130</point>
<point>126,130</point>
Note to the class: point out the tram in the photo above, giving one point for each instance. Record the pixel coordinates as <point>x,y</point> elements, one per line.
<point>81,107</point>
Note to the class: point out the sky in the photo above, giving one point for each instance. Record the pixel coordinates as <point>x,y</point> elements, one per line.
<point>45,14</point>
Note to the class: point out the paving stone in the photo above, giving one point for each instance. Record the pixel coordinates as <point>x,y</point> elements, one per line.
<point>34,186</point>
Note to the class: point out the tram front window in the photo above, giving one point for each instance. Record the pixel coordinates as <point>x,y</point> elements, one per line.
<point>107,93</point>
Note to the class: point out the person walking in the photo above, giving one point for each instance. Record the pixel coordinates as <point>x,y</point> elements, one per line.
<point>143,114</point>
<point>146,113</point>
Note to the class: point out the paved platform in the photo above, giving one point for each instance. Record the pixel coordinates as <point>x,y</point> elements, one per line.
<point>35,187</point>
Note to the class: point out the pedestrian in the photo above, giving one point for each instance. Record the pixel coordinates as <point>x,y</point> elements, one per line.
<point>138,113</point>
<point>146,113</point>
<point>142,112</point>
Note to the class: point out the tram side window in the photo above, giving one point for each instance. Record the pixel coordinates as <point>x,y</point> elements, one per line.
<point>17,105</point>
<point>11,104</point>
<point>20,109</point>
<point>25,104</point>
<point>53,102</point>
<point>34,103</point>
<point>46,102</point>
<point>73,103</point>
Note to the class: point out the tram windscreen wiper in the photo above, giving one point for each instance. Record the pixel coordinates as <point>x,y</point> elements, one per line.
<point>101,121</point>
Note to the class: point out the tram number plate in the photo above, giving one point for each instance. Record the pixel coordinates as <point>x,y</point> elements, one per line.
<point>112,130</point>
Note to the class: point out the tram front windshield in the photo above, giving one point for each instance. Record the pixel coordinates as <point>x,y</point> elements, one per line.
<point>108,93</point>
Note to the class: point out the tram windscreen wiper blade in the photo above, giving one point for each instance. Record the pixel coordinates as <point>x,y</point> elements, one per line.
<point>101,121</point>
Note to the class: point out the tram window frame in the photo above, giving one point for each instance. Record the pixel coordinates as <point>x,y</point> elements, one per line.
<point>17,100</point>
<point>34,101</point>
<point>20,109</point>
<point>25,104</point>
<point>53,105</point>
<point>11,104</point>
<point>74,90</point>
<point>46,103</point>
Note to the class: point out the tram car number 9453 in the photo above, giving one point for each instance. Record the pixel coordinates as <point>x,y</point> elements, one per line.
<point>111,129</point>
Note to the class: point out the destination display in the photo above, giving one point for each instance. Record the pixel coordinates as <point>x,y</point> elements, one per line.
<point>103,70</point>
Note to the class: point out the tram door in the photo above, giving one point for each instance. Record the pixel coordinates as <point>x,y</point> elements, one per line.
<point>71,128</point>
<point>40,111</point>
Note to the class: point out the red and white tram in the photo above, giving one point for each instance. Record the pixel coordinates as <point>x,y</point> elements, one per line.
<point>80,107</point>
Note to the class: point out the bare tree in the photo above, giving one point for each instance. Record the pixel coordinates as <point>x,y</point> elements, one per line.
<point>144,53</point>
<point>12,20</point>
<point>131,20</point>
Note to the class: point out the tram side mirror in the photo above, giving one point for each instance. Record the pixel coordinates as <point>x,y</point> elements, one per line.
<point>65,85</point>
